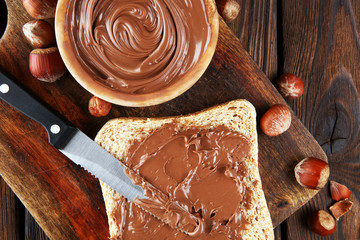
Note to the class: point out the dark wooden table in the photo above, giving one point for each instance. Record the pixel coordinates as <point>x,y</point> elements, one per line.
<point>317,40</point>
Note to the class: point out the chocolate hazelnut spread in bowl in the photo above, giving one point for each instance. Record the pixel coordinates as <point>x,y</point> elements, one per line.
<point>136,53</point>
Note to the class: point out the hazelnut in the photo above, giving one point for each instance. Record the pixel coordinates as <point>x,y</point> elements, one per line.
<point>46,64</point>
<point>340,208</point>
<point>99,107</point>
<point>40,9</point>
<point>228,9</point>
<point>339,191</point>
<point>322,223</point>
<point>312,173</point>
<point>39,33</point>
<point>290,86</point>
<point>276,120</point>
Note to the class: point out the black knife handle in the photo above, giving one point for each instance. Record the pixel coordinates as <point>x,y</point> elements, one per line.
<point>59,130</point>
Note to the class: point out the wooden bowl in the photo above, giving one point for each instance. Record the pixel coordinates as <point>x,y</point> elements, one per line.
<point>127,99</point>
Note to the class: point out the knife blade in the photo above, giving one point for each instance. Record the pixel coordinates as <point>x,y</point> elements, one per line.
<point>88,154</point>
<point>69,140</point>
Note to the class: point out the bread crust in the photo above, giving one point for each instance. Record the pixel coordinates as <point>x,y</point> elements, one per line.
<point>117,135</point>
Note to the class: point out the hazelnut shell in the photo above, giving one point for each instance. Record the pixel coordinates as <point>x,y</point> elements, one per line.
<point>46,64</point>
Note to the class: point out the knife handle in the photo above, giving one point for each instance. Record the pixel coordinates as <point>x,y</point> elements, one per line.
<point>59,130</point>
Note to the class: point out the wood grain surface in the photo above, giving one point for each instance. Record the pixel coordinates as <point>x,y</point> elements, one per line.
<point>260,29</point>
<point>321,45</point>
<point>11,214</point>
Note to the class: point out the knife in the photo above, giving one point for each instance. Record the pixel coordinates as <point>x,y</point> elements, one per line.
<point>69,140</point>
<point>85,152</point>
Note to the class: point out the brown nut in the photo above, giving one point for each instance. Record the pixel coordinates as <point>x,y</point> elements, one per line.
<point>340,208</point>
<point>46,64</point>
<point>228,9</point>
<point>312,173</point>
<point>99,107</point>
<point>339,191</point>
<point>290,86</point>
<point>322,223</point>
<point>39,33</point>
<point>40,9</point>
<point>276,120</point>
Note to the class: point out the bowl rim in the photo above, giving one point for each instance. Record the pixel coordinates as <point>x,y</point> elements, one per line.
<point>87,81</point>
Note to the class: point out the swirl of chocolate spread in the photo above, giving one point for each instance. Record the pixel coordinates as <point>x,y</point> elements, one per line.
<point>138,47</point>
<point>200,170</point>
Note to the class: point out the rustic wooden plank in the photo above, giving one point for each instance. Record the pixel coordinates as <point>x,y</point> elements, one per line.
<point>256,28</point>
<point>11,209</point>
<point>32,229</point>
<point>278,232</point>
<point>11,214</point>
<point>322,46</point>
<point>67,201</point>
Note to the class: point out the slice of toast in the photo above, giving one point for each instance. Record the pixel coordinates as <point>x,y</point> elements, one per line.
<point>127,221</point>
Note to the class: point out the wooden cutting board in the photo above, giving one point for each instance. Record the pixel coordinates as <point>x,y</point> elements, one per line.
<point>66,200</point>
